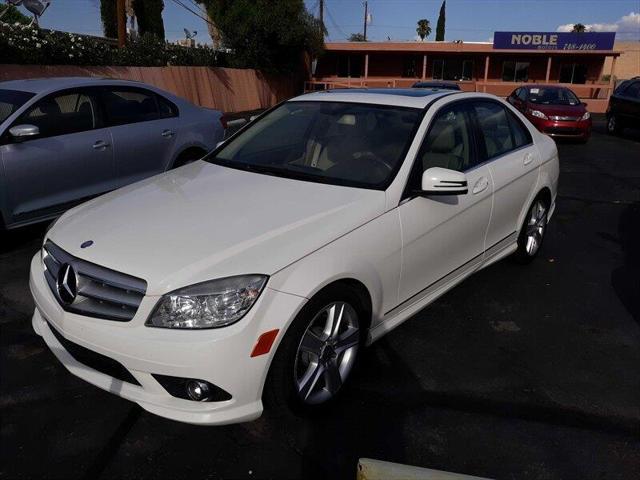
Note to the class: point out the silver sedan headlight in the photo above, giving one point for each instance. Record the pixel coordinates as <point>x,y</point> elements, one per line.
<point>213,304</point>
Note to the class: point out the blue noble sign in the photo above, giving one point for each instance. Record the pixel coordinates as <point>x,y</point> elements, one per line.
<point>553,40</point>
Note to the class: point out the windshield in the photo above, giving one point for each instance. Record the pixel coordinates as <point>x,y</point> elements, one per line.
<point>10,101</point>
<point>351,144</point>
<point>553,96</point>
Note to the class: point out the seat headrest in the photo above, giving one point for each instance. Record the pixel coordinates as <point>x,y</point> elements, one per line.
<point>347,119</point>
<point>445,140</point>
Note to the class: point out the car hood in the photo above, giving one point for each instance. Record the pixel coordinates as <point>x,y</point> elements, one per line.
<point>204,221</point>
<point>560,110</point>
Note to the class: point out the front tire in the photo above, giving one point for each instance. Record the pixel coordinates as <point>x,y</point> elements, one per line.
<point>318,353</point>
<point>533,231</point>
<point>614,126</point>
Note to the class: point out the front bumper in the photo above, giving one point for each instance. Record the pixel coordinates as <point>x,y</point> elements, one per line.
<point>580,129</point>
<point>220,356</point>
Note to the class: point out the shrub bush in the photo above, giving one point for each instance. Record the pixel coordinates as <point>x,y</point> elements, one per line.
<point>22,44</point>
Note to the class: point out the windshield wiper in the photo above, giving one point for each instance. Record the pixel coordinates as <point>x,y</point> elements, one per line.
<point>268,170</point>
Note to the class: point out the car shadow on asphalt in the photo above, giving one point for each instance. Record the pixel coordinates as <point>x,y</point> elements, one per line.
<point>626,279</point>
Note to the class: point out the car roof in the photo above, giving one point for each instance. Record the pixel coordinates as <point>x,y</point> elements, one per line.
<point>48,84</point>
<point>403,97</point>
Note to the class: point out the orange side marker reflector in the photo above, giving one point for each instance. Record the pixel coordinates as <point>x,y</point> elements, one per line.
<point>264,343</point>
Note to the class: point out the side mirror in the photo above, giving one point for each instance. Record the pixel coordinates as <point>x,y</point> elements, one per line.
<point>24,132</point>
<point>442,181</point>
<point>253,117</point>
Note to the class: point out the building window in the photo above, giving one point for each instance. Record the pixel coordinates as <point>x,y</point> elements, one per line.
<point>410,67</point>
<point>350,66</point>
<point>452,69</point>
<point>573,73</point>
<point>515,71</point>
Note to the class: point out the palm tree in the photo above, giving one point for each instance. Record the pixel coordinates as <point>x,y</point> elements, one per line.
<point>578,28</point>
<point>424,28</point>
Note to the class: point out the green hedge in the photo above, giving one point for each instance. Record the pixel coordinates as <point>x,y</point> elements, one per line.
<point>20,44</point>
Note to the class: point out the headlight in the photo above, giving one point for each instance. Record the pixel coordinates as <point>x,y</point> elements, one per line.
<point>586,116</point>
<point>213,304</point>
<point>538,113</point>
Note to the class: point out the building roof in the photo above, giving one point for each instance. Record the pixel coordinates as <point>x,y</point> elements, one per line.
<point>450,47</point>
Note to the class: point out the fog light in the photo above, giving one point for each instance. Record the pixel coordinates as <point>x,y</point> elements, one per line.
<point>198,391</point>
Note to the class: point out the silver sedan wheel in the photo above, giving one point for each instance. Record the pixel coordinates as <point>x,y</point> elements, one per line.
<point>536,225</point>
<point>327,353</point>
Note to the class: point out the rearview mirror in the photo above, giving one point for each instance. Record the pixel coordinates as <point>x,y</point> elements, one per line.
<point>23,132</point>
<point>442,181</point>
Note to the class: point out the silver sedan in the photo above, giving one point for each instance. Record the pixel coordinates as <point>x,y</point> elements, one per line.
<point>64,140</point>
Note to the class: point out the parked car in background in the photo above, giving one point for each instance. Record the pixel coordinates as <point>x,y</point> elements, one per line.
<point>441,85</point>
<point>64,140</point>
<point>260,273</point>
<point>624,106</point>
<point>554,110</point>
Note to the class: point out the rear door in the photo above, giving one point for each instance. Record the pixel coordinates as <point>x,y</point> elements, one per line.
<point>70,160</point>
<point>508,150</point>
<point>144,127</point>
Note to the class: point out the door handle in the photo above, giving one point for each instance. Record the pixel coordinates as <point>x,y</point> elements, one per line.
<point>480,186</point>
<point>100,145</point>
<point>528,158</point>
<point>167,133</point>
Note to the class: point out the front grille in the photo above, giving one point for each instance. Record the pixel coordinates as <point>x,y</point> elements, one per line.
<point>99,292</point>
<point>94,360</point>
<point>563,131</point>
<point>561,118</point>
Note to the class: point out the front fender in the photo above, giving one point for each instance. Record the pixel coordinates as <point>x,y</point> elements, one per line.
<point>370,254</point>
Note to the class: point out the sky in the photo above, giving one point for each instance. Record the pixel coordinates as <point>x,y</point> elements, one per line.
<point>468,20</point>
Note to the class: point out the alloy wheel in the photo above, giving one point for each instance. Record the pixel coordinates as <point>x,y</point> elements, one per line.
<point>327,353</point>
<point>536,226</point>
<point>611,124</point>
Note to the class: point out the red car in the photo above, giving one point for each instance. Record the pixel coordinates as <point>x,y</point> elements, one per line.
<point>554,110</point>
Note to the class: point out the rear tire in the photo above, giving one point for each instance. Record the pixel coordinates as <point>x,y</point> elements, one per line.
<point>533,231</point>
<point>311,365</point>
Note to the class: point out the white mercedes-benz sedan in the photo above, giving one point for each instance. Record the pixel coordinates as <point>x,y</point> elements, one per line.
<point>257,275</point>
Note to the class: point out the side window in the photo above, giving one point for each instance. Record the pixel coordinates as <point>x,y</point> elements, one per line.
<point>633,90</point>
<point>448,142</point>
<point>522,94</point>
<point>130,106</point>
<point>167,109</point>
<point>62,114</point>
<point>495,129</point>
<point>521,135</point>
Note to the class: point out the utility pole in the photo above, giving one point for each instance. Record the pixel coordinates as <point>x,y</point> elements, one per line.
<point>366,14</point>
<point>322,17</point>
<point>122,23</point>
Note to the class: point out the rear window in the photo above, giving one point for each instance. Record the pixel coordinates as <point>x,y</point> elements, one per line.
<point>12,100</point>
<point>552,96</point>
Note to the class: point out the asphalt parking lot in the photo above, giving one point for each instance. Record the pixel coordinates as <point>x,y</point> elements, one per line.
<point>520,372</point>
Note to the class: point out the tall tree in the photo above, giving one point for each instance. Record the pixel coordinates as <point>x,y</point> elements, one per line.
<point>269,35</point>
<point>441,22</point>
<point>357,37</point>
<point>149,17</point>
<point>578,28</point>
<point>424,28</point>
<point>10,14</point>
<point>109,17</point>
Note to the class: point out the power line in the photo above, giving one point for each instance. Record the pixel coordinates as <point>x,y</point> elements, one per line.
<point>206,20</point>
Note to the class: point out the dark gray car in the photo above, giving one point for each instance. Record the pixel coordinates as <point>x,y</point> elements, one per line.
<point>64,140</point>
